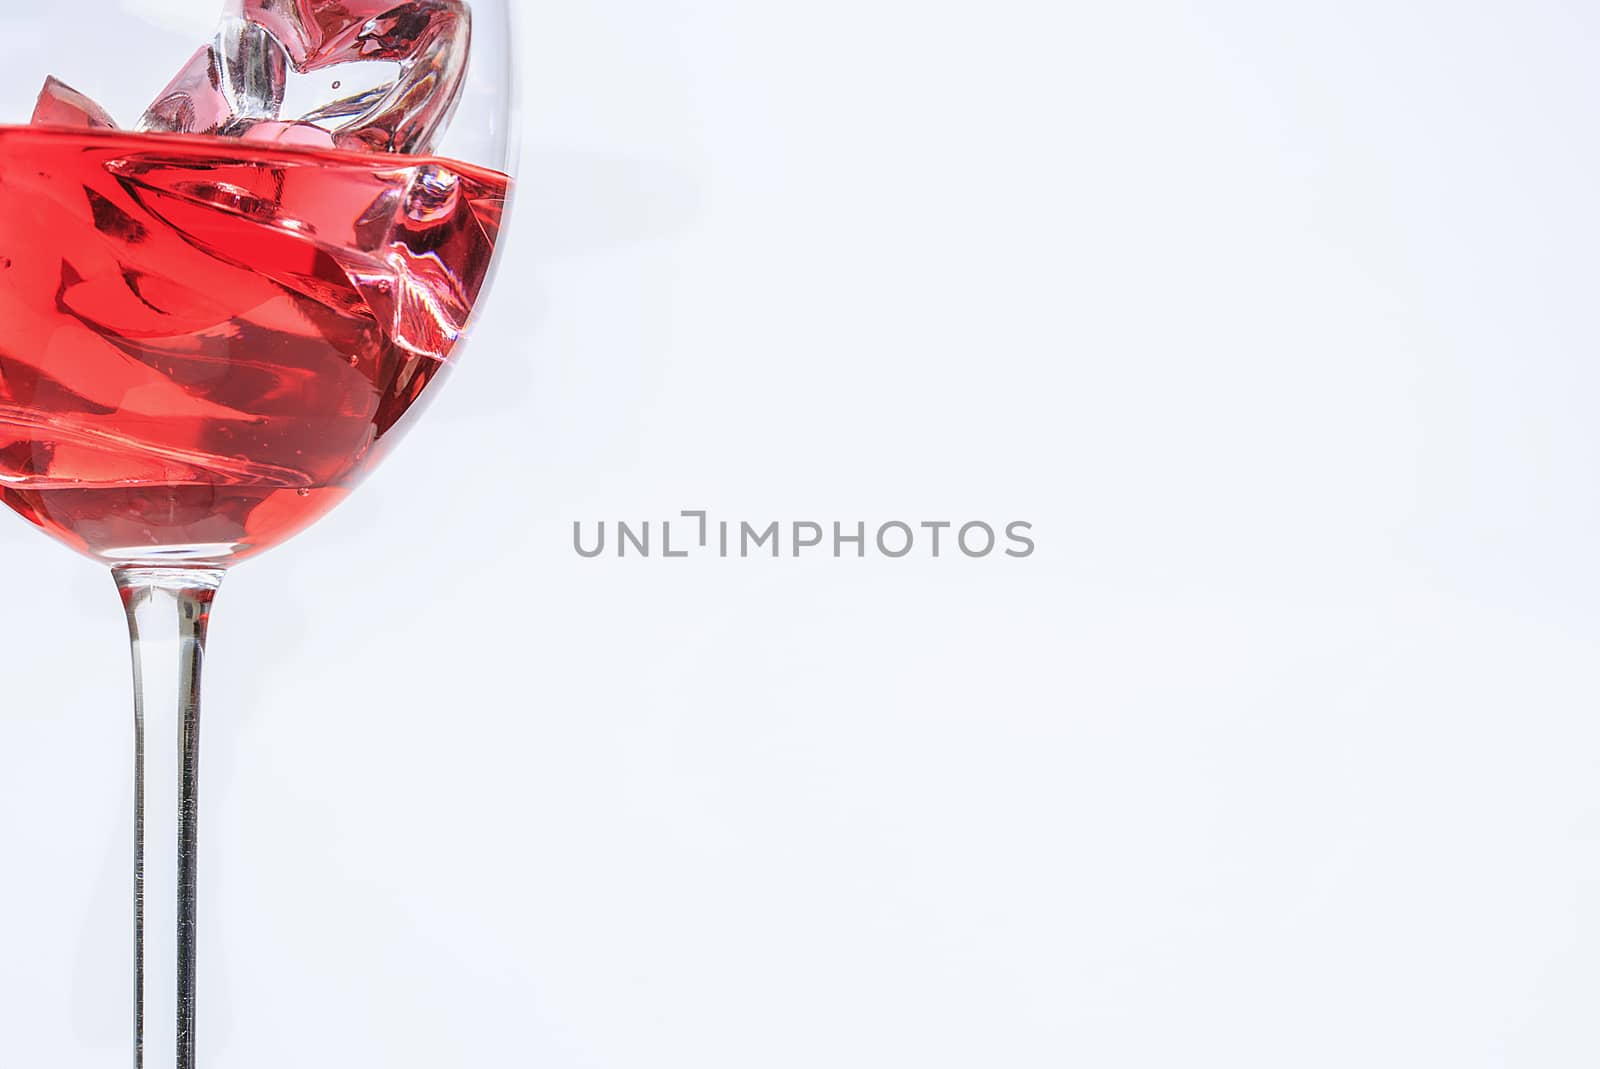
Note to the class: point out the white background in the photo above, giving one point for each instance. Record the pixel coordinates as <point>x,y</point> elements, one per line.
<point>1277,320</point>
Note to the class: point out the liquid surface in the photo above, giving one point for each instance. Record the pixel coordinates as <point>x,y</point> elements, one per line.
<point>205,343</point>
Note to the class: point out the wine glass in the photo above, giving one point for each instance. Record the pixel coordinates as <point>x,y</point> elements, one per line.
<point>235,258</point>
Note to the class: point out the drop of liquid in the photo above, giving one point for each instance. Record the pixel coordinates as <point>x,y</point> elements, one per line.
<point>303,492</point>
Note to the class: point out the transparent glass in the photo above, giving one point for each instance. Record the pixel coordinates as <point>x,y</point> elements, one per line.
<point>239,251</point>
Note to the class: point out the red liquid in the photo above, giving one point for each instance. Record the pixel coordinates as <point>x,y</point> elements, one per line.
<point>205,343</point>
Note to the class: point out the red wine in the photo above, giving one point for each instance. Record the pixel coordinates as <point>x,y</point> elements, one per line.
<point>205,342</point>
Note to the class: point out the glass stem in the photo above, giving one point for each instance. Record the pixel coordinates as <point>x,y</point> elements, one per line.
<point>168,610</point>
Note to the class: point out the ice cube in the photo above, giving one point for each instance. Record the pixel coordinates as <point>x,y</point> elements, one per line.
<point>305,134</point>
<point>193,103</point>
<point>433,51</point>
<point>430,40</point>
<point>235,80</point>
<point>238,81</point>
<point>323,33</point>
<point>253,66</point>
<point>61,105</point>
